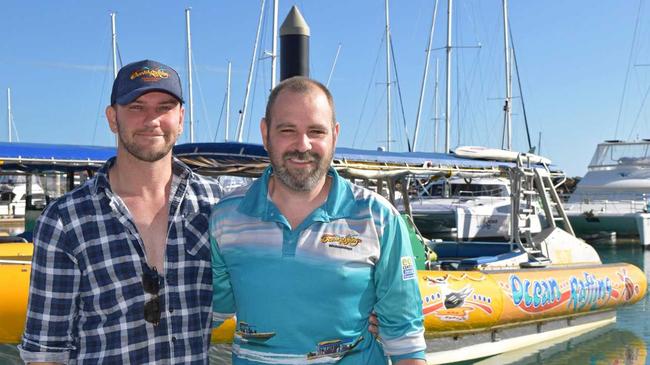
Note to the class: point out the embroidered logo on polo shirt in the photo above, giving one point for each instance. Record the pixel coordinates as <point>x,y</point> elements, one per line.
<point>344,242</point>
<point>408,268</point>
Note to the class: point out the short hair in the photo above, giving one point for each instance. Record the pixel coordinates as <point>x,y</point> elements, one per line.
<point>299,85</point>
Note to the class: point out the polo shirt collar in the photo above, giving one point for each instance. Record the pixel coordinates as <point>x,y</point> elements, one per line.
<point>257,203</point>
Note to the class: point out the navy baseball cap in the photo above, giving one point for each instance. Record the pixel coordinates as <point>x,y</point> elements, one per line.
<point>138,78</point>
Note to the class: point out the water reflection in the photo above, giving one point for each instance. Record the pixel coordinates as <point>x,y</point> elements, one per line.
<point>9,355</point>
<point>605,346</point>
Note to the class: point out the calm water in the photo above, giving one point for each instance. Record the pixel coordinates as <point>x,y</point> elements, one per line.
<point>625,342</point>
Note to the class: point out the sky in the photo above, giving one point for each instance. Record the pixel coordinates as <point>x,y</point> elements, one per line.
<point>582,67</point>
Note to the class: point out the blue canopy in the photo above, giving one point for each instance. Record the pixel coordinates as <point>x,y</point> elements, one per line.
<point>35,157</point>
<point>255,151</point>
<point>211,158</point>
<point>249,159</point>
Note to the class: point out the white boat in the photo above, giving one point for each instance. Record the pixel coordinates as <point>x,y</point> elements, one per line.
<point>487,153</point>
<point>13,199</point>
<point>466,209</point>
<point>611,200</point>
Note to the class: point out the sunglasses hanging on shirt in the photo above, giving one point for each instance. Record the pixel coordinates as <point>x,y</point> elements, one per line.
<point>151,283</point>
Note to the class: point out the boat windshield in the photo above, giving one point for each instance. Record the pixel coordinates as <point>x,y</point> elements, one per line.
<point>613,154</point>
<point>466,190</point>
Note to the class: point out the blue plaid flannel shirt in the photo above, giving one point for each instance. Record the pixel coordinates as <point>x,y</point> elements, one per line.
<point>86,301</point>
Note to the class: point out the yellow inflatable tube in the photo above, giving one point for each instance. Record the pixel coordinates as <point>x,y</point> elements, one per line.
<point>452,301</point>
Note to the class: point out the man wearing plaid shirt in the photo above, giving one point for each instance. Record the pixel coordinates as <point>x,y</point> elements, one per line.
<point>121,267</point>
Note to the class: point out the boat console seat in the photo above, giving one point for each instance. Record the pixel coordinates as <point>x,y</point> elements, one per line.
<point>470,255</point>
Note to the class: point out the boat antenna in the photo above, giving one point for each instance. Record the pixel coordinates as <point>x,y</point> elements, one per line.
<point>531,149</point>
<point>424,77</point>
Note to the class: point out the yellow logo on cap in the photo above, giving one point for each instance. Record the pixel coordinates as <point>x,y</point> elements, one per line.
<point>149,75</point>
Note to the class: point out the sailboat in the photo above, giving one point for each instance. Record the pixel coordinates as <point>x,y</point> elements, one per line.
<point>475,206</point>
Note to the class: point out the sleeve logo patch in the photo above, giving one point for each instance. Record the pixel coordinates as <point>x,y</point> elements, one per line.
<point>408,268</point>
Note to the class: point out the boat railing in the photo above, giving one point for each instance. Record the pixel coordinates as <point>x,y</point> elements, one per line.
<point>608,205</point>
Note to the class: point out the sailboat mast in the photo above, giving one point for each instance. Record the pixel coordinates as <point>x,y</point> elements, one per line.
<point>242,115</point>
<point>507,109</point>
<point>435,112</point>
<point>387,78</point>
<point>114,44</point>
<point>424,77</point>
<point>274,47</point>
<point>228,102</point>
<point>448,79</point>
<point>189,73</point>
<point>9,112</point>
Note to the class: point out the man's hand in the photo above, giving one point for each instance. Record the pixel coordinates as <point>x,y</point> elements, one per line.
<point>373,327</point>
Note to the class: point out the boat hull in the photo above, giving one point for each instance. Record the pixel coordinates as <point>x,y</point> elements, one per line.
<point>623,224</point>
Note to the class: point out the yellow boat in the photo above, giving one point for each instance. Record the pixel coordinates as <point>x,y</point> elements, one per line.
<point>459,306</point>
<point>479,298</point>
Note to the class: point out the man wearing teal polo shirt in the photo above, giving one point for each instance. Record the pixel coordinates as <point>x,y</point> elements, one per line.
<point>304,256</point>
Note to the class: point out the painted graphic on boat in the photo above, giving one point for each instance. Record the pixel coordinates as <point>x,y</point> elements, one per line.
<point>466,300</point>
<point>334,349</point>
<point>249,333</point>
<point>578,292</point>
<point>450,304</point>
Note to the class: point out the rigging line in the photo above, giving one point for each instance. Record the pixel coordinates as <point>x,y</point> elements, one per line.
<point>253,95</point>
<point>365,99</point>
<point>471,122</point>
<point>260,61</point>
<point>399,92</point>
<point>99,105</point>
<point>202,96</point>
<point>374,117</point>
<point>223,106</point>
<point>629,67</point>
<point>521,93</point>
<point>119,55</point>
<point>638,114</point>
<point>329,78</point>
<point>13,123</point>
<point>98,113</point>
